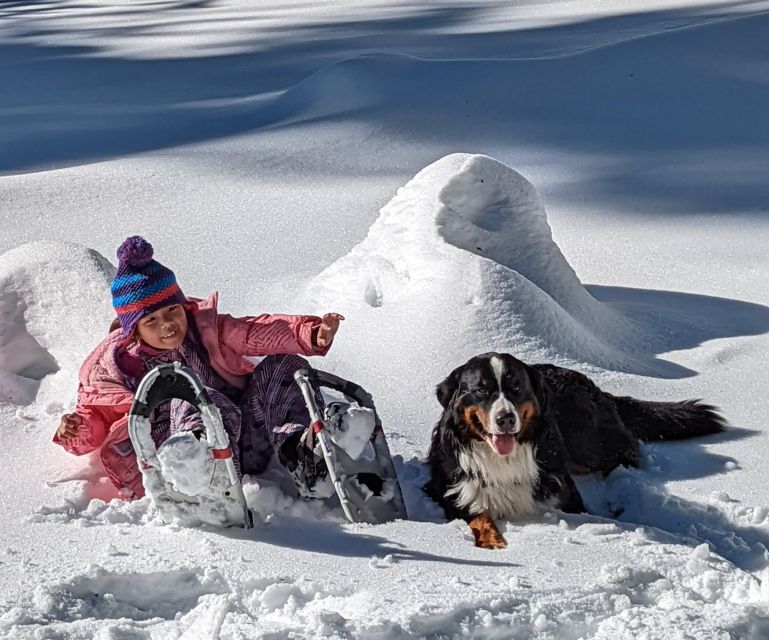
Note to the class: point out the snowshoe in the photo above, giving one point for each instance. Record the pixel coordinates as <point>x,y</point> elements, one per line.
<point>352,442</point>
<point>191,477</point>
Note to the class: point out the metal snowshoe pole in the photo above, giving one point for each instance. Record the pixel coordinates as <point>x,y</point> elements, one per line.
<point>173,380</point>
<point>329,453</point>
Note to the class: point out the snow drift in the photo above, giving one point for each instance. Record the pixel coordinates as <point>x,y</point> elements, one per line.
<point>54,298</point>
<point>461,261</point>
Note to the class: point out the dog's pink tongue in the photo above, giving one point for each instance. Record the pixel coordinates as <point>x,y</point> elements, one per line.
<point>503,443</point>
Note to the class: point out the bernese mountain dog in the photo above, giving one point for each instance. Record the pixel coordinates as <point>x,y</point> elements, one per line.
<point>512,435</point>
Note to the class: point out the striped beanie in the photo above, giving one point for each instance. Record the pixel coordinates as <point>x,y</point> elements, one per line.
<point>141,285</point>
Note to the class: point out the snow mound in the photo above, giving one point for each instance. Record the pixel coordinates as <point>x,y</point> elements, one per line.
<point>52,296</point>
<point>461,261</point>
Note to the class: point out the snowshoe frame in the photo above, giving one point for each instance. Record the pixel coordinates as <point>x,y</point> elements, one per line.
<point>174,380</point>
<point>358,504</point>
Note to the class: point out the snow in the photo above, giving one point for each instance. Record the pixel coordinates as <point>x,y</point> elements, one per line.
<point>351,429</point>
<point>583,183</point>
<point>186,462</point>
<point>51,297</point>
<point>466,240</point>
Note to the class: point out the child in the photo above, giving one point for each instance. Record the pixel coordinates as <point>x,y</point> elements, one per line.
<point>262,407</point>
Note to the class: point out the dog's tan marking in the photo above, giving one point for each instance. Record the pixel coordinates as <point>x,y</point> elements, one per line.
<point>480,415</point>
<point>528,411</point>
<point>487,536</point>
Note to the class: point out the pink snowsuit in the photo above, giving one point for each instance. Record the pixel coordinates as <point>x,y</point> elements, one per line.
<point>104,393</point>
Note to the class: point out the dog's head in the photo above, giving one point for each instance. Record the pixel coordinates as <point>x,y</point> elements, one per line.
<point>494,398</point>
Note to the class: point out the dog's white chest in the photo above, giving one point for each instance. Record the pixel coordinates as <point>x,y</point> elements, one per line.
<point>502,486</point>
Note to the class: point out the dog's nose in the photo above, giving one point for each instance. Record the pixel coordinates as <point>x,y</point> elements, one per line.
<point>506,421</point>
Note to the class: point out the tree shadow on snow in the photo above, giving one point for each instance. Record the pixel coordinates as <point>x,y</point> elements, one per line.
<point>673,321</point>
<point>87,104</point>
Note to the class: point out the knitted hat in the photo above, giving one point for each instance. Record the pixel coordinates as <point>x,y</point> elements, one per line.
<point>141,285</point>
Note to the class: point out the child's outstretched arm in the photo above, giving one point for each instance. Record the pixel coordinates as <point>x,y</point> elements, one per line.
<point>267,334</point>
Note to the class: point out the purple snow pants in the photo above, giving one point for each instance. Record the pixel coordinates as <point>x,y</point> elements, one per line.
<point>271,410</point>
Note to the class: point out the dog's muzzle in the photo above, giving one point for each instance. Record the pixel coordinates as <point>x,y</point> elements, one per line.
<point>504,427</point>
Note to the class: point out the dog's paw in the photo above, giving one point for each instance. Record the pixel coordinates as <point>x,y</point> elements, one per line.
<point>487,536</point>
<point>492,542</point>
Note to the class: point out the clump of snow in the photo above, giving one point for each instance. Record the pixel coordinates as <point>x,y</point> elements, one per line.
<point>213,505</point>
<point>54,298</point>
<point>95,511</point>
<point>382,563</point>
<point>701,552</point>
<point>186,462</point>
<point>351,430</point>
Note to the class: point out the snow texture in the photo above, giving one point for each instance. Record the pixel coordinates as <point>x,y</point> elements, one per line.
<point>51,295</point>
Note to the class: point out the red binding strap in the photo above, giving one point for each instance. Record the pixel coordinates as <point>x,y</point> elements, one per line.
<point>317,426</point>
<point>222,454</point>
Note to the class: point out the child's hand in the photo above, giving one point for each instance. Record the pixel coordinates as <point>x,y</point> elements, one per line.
<point>69,426</point>
<point>328,328</point>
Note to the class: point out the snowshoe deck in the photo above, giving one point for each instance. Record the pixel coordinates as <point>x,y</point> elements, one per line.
<point>367,486</point>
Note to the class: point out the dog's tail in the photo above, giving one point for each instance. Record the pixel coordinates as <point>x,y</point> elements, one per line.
<point>650,421</point>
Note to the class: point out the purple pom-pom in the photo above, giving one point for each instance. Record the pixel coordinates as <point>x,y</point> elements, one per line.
<point>135,252</point>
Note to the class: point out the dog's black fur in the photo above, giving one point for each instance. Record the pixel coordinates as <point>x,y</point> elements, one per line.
<point>561,423</point>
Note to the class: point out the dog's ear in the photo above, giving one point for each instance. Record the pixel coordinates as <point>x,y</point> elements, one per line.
<point>446,389</point>
<point>539,387</point>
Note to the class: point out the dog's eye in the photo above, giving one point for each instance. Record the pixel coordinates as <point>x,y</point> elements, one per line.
<point>480,391</point>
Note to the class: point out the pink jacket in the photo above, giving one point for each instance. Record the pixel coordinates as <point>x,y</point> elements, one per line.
<point>103,399</point>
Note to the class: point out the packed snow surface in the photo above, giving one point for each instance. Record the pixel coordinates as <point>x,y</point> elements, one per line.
<point>583,183</point>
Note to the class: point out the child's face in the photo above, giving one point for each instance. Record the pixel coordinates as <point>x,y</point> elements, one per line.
<point>164,328</point>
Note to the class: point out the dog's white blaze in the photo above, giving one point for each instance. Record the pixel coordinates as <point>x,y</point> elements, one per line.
<point>501,406</point>
<point>499,369</point>
<point>502,485</point>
